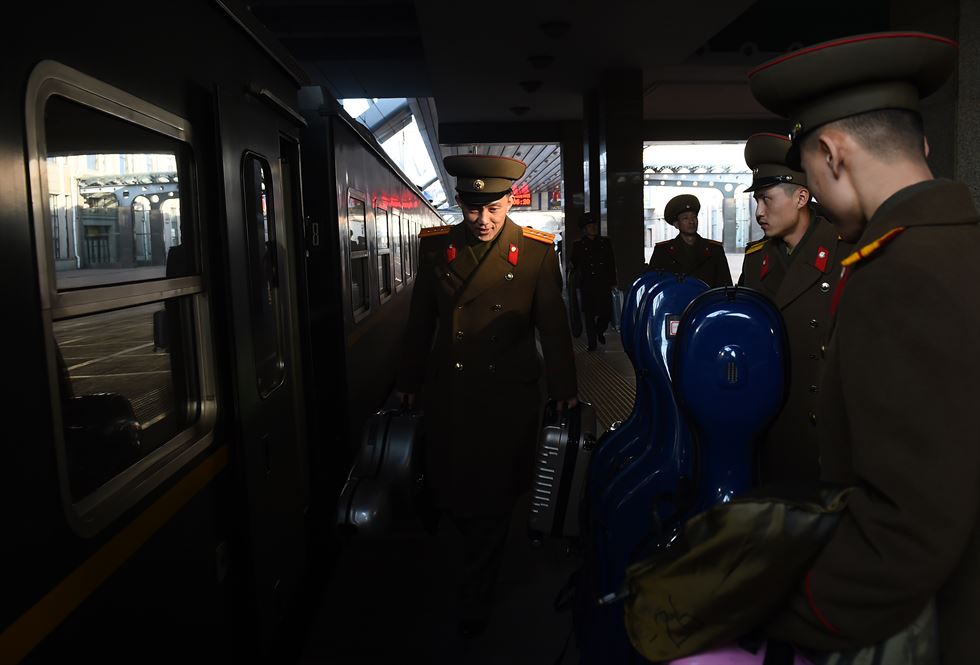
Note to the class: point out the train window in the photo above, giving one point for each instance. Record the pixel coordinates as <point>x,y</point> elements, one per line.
<point>114,204</point>
<point>360,297</point>
<point>263,273</point>
<point>383,244</point>
<point>409,254</point>
<point>396,250</point>
<point>126,387</point>
<point>123,302</point>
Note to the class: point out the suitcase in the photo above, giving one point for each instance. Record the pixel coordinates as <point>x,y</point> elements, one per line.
<point>384,486</point>
<point>560,469</point>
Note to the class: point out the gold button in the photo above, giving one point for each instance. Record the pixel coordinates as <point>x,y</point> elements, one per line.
<point>492,368</point>
<point>509,276</point>
<point>459,366</point>
<point>823,350</point>
<point>459,334</point>
<point>813,418</point>
<point>497,308</point>
<point>824,287</point>
<point>813,323</point>
<point>813,388</point>
<point>459,307</point>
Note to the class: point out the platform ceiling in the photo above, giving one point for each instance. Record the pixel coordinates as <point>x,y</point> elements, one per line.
<point>532,61</point>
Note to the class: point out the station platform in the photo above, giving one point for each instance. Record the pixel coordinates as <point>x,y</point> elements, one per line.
<point>395,602</point>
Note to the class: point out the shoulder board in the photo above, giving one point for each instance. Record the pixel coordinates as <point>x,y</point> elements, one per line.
<point>430,231</point>
<point>540,236</point>
<point>755,246</point>
<point>872,247</point>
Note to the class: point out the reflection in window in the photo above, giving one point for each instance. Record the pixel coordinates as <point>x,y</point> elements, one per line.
<point>357,229</point>
<point>260,229</point>
<point>384,251</point>
<point>113,197</point>
<point>396,248</point>
<point>128,384</point>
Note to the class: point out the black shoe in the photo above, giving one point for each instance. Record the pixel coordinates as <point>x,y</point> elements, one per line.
<point>602,338</point>
<point>470,628</point>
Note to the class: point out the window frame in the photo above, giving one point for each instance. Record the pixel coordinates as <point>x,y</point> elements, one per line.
<point>89,515</point>
<point>399,283</point>
<point>384,251</point>
<point>271,229</point>
<point>365,254</point>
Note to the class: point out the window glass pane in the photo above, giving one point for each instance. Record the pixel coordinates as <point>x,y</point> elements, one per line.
<point>384,274</point>
<point>359,285</point>
<point>381,227</point>
<point>128,384</point>
<point>356,225</point>
<point>396,250</point>
<point>263,273</point>
<point>409,250</point>
<point>114,198</point>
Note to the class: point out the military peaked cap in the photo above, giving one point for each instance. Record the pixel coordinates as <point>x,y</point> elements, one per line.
<point>679,204</point>
<point>587,218</point>
<point>850,76</point>
<point>765,154</point>
<point>482,179</point>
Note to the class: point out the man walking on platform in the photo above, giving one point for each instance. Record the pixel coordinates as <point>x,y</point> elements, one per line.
<point>482,289</point>
<point>797,265</point>
<point>595,266</point>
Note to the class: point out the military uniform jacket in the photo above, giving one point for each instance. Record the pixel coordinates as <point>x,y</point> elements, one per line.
<point>802,289</point>
<point>470,347</point>
<point>705,260</point>
<point>596,266</point>
<point>897,419</point>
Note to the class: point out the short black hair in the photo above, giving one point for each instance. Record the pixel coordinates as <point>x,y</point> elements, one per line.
<point>789,189</point>
<point>885,133</point>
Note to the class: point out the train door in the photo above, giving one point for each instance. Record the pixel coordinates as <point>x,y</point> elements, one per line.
<point>260,162</point>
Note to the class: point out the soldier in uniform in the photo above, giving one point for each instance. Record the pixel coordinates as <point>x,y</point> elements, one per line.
<point>482,288</point>
<point>896,414</point>
<point>689,253</point>
<point>593,260</point>
<point>797,265</point>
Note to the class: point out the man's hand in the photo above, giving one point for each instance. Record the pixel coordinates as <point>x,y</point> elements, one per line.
<point>569,403</point>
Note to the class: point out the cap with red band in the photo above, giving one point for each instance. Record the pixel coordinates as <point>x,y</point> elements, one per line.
<point>854,75</point>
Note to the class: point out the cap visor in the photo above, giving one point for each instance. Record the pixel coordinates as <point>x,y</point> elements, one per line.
<point>481,198</point>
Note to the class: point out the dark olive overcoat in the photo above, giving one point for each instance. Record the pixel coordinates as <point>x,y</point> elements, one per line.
<point>470,348</point>
<point>801,287</point>
<point>897,419</point>
<point>704,260</point>
<point>595,264</point>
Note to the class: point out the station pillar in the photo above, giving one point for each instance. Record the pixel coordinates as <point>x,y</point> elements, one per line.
<point>572,185</point>
<point>613,166</point>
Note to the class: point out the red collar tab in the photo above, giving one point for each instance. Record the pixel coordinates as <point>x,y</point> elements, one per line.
<point>764,270</point>
<point>512,255</point>
<point>450,253</point>
<point>822,256</point>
